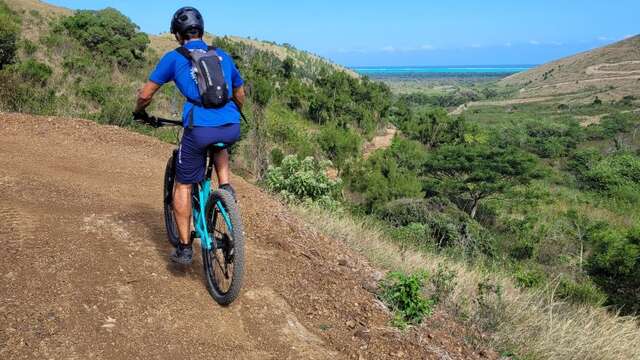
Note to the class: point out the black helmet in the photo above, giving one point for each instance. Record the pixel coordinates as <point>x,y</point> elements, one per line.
<point>185,20</point>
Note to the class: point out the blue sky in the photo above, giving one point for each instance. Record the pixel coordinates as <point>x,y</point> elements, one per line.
<point>406,32</point>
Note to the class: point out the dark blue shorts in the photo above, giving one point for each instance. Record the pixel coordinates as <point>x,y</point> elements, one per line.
<point>192,154</point>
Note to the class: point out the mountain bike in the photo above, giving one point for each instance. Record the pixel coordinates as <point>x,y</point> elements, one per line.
<point>216,223</point>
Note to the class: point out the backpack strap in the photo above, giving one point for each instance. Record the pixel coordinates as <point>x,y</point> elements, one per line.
<point>184,52</point>
<point>190,116</point>
<point>187,54</point>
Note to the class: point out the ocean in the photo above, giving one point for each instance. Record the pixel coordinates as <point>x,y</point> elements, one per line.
<point>441,71</point>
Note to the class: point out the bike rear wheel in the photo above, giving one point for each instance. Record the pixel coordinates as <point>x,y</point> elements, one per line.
<point>169,217</point>
<point>224,262</point>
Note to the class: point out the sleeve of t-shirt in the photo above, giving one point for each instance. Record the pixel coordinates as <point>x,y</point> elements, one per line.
<point>236,78</point>
<point>164,71</point>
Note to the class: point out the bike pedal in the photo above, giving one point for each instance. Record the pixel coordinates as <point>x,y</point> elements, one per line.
<point>193,235</point>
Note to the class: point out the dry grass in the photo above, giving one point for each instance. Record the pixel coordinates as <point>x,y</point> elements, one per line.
<point>611,70</point>
<point>535,323</point>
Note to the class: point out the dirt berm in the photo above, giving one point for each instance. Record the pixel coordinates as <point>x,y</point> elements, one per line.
<point>84,271</point>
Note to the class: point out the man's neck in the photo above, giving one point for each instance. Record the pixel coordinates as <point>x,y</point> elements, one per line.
<point>191,40</point>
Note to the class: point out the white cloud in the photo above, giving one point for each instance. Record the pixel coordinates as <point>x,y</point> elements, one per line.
<point>476,46</point>
<point>427,47</point>
<point>534,42</point>
<point>602,38</point>
<point>627,36</point>
<point>388,48</point>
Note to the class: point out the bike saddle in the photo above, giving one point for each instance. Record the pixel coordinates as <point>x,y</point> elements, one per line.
<point>218,146</point>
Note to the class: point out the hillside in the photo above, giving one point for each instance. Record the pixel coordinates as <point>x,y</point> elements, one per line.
<point>164,42</point>
<point>609,72</point>
<point>91,279</point>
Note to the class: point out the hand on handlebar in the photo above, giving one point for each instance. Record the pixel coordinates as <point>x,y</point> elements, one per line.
<point>143,117</point>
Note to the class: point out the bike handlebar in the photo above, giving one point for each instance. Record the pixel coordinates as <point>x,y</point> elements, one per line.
<point>154,121</point>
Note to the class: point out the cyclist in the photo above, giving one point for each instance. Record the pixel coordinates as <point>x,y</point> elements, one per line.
<point>203,127</point>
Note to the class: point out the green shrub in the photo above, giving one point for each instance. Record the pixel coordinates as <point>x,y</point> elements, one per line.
<point>582,160</point>
<point>340,145</point>
<point>109,33</point>
<point>79,64</point>
<point>553,139</point>
<point>276,156</point>
<point>29,47</point>
<point>19,96</point>
<point>444,283</point>
<point>98,92</point>
<point>491,305</point>
<point>621,169</point>
<point>403,294</point>
<point>434,127</point>
<point>614,265</point>
<point>529,278</point>
<point>304,180</point>
<point>261,92</point>
<point>447,226</point>
<point>34,72</point>
<point>403,212</point>
<point>24,88</point>
<point>415,234</point>
<point>584,292</point>
<point>288,129</point>
<point>382,178</point>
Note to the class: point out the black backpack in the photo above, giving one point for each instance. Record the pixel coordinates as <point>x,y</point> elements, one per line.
<point>213,88</point>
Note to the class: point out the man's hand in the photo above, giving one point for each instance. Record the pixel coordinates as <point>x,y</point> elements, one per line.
<point>140,115</point>
<point>239,96</point>
<point>145,96</point>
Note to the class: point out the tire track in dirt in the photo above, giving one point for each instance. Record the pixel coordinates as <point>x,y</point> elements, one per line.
<point>15,227</point>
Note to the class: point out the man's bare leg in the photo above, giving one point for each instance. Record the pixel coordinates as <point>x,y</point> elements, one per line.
<point>221,162</point>
<point>182,211</point>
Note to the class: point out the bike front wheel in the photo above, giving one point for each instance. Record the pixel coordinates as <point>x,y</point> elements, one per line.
<point>224,262</point>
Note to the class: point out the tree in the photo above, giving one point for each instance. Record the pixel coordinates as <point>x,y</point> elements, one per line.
<point>108,33</point>
<point>381,179</point>
<point>472,173</point>
<point>340,145</point>
<point>434,127</point>
<point>288,66</point>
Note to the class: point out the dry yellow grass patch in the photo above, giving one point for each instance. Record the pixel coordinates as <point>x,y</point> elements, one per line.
<point>535,323</point>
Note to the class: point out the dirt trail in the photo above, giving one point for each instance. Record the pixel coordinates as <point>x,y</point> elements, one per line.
<point>462,108</point>
<point>381,141</point>
<point>597,69</point>
<point>84,272</point>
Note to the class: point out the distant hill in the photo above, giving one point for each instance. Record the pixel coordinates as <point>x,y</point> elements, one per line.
<point>166,42</point>
<point>609,72</point>
<point>41,10</point>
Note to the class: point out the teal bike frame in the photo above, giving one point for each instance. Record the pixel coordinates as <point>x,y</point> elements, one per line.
<point>201,194</point>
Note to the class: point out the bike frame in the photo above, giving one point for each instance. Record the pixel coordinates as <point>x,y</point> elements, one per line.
<point>200,199</point>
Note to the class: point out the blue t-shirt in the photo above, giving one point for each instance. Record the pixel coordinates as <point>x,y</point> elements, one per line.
<point>177,68</point>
